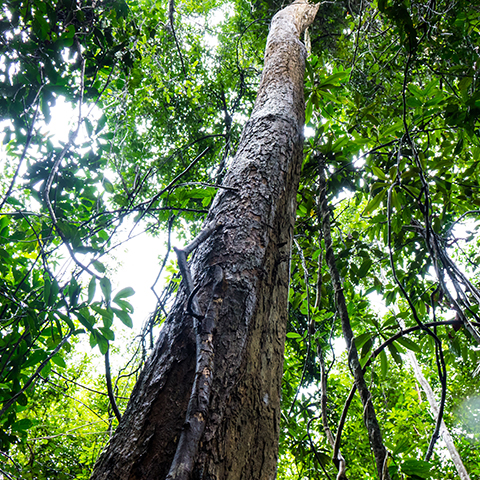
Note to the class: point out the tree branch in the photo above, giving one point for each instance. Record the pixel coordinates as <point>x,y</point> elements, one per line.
<point>370,418</point>
<point>108,377</point>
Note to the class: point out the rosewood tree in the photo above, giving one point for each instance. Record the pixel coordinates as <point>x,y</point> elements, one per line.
<point>207,404</point>
<point>393,102</point>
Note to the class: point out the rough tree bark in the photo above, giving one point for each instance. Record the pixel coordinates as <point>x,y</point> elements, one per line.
<point>207,404</point>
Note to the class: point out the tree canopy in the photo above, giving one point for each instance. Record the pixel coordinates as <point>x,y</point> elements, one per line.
<point>387,214</point>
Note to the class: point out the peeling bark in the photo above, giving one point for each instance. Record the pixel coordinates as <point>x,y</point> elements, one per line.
<point>247,306</point>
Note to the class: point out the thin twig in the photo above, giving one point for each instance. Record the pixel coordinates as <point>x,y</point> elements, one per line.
<point>83,386</point>
<point>199,401</point>
<point>53,171</point>
<point>309,335</point>
<point>175,180</point>
<point>170,225</point>
<point>50,437</point>
<point>171,10</point>
<point>315,451</point>
<point>22,158</point>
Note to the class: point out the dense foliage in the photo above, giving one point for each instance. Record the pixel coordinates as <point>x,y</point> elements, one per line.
<point>158,94</point>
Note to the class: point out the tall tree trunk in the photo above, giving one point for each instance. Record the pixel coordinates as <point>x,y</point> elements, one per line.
<point>207,404</point>
<point>447,438</point>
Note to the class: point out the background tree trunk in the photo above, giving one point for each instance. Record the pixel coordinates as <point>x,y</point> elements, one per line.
<point>447,438</point>
<point>242,274</point>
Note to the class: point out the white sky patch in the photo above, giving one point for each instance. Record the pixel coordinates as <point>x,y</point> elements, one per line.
<point>359,162</point>
<point>220,14</point>
<point>339,345</point>
<point>469,412</point>
<point>309,132</point>
<point>64,119</point>
<point>138,265</point>
<point>214,20</point>
<point>134,264</point>
<point>209,24</point>
<point>2,68</point>
<point>377,304</point>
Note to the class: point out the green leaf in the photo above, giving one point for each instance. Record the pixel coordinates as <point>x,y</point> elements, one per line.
<point>383,363</point>
<point>420,468</point>
<point>107,315</point>
<point>390,322</point>
<point>125,292</point>
<point>464,83</point>
<point>107,333</point>
<point>107,184</point>
<point>22,425</point>
<point>361,339</point>
<point>89,127</point>
<point>93,340</point>
<point>124,305</point>
<point>99,267</point>
<point>323,458</point>
<point>70,31</point>
<point>407,343</point>
<point>396,201</point>
<point>394,352</point>
<point>365,350</point>
<point>22,400</point>
<point>414,102</point>
<point>91,289</point>
<point>336,77</point>
<point>293,335</point>
<point>46,370</point>
<point>398,126</point>
<point>379,173</point>
<point>14,201</point>
<point>124,317</point>
<point>106,287</point>
<point>46,291</point>
<point>364,267</point>
<point>308,110</point>
<point>402,444</point>
<point>102,343</point>
<point>86,320</point>
<point>58,360</point>
<point>66,319</point>
<point>375,202</point>
<point>328,96</point>
<point>74,291</point>
<point>101,123</point>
